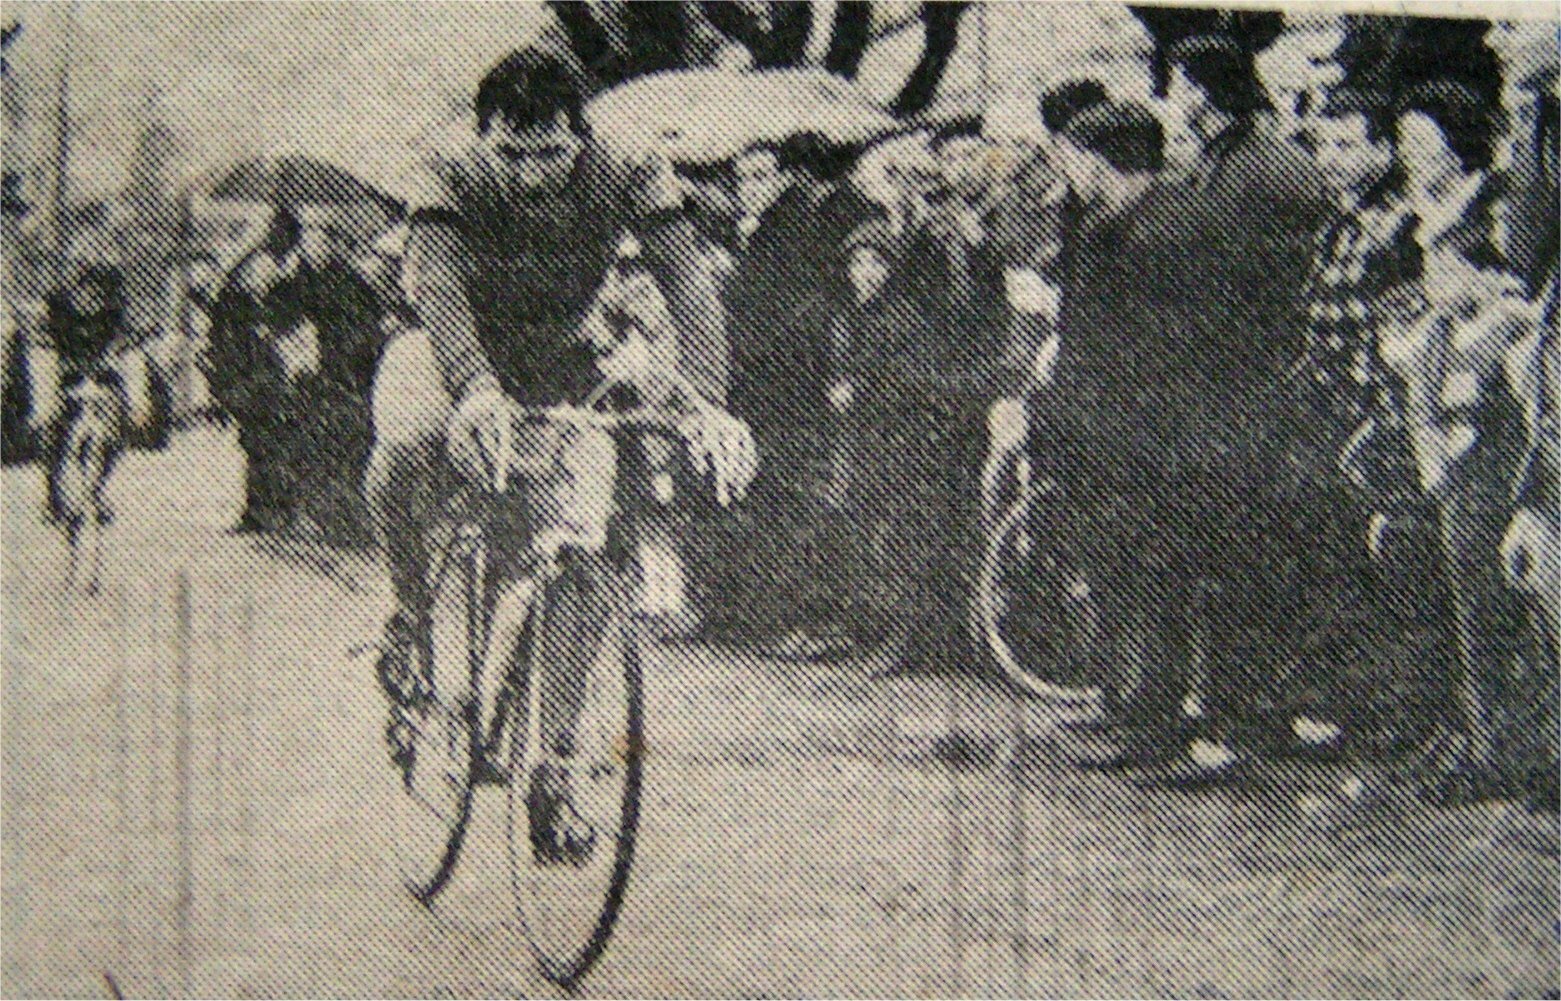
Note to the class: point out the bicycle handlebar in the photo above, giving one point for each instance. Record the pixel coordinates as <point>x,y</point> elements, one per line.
<point>586,415</point>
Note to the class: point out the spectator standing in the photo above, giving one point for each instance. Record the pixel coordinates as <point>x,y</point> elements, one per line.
<point>953,258</point>
<point>1202,318</point>
<point>897,466</point>
<point>1464,427</point>
<point>1112,493</point>
<point>779,371</point>
<point>248,379</point>
<point>327,323</point>
<point>1372,662</point>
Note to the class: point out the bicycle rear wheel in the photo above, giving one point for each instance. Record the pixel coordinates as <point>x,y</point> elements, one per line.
<point>569,907</point>
<point>432,801</point>
<point>1033,612</point>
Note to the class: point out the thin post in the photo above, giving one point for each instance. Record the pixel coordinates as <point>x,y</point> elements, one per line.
<point>62,149</point>
<point>184,723</point>
<point>1018,842</point>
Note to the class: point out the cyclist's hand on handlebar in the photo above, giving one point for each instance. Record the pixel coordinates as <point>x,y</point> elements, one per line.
<point>479,435</point>
<point>722,444</point>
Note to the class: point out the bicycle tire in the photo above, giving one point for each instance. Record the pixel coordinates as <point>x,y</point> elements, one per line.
<point>1031,676</point>
<point>425,874</point>
<point>566,966</point>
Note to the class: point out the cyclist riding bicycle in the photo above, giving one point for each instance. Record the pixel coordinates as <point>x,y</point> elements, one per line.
<point>507,247</point>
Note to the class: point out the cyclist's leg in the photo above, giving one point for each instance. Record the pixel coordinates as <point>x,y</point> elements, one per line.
<point>406,472</point>
<point>571,511</point>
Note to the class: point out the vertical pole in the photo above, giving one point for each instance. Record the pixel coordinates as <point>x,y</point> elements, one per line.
<point>62,150</point>
<point>981,38</point>
<point>247,682</point>
<point>958,849</point>
<point>184,723</point>
<point>1018,841</point>
<point>122,781</point>
<point>180,323</point>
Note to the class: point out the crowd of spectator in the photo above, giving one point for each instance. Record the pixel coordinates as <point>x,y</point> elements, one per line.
<point>1280,338</point>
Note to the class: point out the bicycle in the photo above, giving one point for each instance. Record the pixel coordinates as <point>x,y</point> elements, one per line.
<point>488,629</point>
<point>1033,612</point>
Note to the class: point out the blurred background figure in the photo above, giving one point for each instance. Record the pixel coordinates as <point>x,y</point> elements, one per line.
<point>85,319</point>
<point>326,320</point>
<point>248,378</point>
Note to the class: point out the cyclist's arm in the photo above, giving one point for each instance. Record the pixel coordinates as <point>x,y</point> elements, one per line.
<point>434,274</point>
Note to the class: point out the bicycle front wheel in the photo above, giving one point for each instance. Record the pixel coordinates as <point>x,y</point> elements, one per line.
<point>1033,612</point>
<point>569,902</point>
<point>439,728</point>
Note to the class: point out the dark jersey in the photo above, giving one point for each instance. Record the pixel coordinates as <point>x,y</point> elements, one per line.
<point>501,280</point>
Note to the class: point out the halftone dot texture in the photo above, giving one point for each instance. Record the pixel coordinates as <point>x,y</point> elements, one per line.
<point>1291,479</point>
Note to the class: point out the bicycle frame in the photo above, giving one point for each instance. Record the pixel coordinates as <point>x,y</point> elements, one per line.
<point>475,538</point>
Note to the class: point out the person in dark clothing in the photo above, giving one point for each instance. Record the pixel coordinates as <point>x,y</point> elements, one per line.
<point>1181,337</point>
<point>326,301</point>
<point>953,269</point>
<point>914,396</point>
<point>905,452</point>
<point>83,322</point>
<point>249,380</point>
<point>1374,669</point>
<point>778,378</point>
<point>1109,498</point>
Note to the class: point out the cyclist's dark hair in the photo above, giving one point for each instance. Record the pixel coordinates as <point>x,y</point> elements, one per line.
<point>1127,136</point>
<point>1066,100</point>
<point>528,89</point>
<point>1224,71</point>
<point>282,234</point>
<point>109,282</point>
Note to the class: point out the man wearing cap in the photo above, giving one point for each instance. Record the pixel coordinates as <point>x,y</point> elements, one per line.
<point>1218,270</point>
<point>1080,383</point>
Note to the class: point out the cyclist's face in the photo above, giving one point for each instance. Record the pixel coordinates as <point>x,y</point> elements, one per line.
<point>759,181</point>
<point>87,297</point>
<point>315,245</point>
<point>532,158</point>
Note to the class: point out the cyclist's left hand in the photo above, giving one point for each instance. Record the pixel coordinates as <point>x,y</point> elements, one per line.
<point>722,444</point>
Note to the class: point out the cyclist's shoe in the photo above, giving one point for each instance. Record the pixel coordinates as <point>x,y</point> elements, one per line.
<point>558,833</point>
<point>398,667</point>
<point>401,678</point>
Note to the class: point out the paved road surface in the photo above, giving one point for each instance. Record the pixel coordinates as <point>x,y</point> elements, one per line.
<point>809,831</point>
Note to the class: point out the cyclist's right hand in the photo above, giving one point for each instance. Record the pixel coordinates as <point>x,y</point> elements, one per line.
<point>480,432</point>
